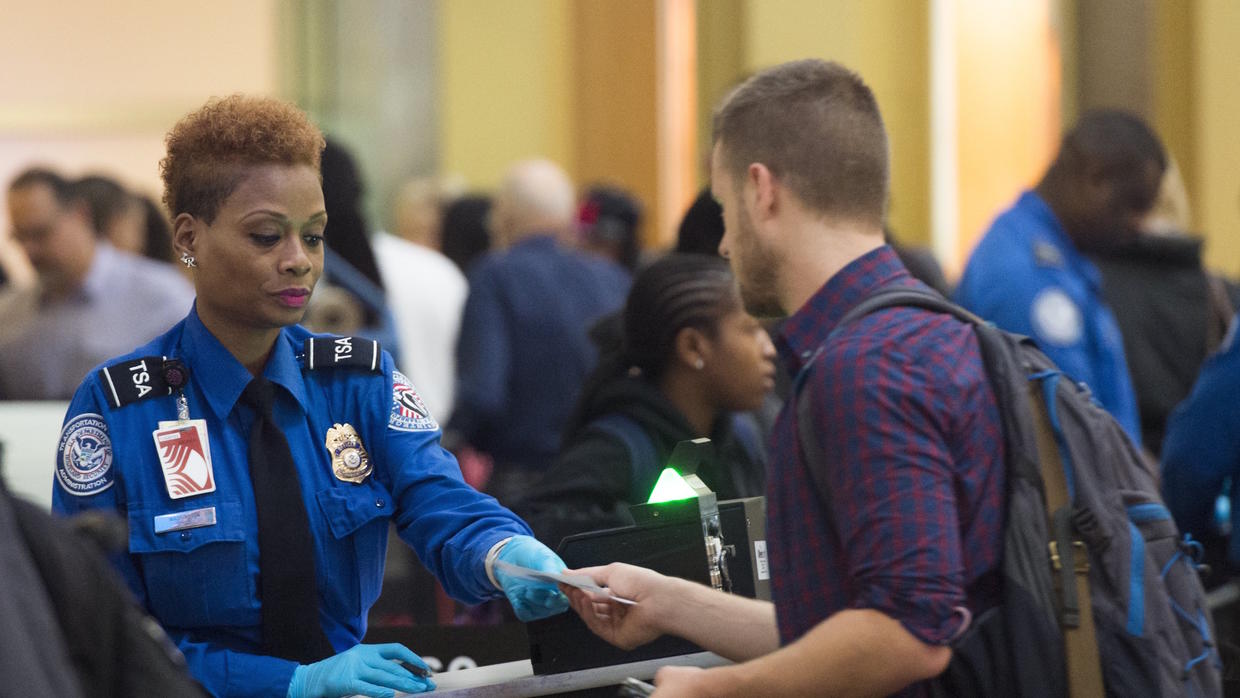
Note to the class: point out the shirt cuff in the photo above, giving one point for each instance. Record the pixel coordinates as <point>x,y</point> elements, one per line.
<point>492,554</point>
<point>253,675</point>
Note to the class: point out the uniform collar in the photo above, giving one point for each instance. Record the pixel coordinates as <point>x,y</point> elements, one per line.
<point>222,378</point>
<point>1051,231</point>
<point>805,330</point>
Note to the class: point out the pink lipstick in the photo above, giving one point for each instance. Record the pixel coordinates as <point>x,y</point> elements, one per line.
<point>294,297</point>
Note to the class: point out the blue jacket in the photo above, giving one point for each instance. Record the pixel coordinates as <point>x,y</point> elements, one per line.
<point>201,582</point>
<point>524,350</point>
<point>1202,448</point>
<point>1026,276</point>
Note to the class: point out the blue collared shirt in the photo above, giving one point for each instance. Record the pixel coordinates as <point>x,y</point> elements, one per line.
<point>1027,277</point>
<point>524,351</point>
<point>201,583</point>
<point>47,347</point>
<point>1202,448</point>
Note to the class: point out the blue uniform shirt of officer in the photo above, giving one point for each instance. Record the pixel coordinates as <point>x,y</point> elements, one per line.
<point>201,582</point>
<point>1202,450</point>
<point>1026,276</point>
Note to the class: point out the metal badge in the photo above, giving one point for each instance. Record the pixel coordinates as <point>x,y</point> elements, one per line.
<point>350,461</point>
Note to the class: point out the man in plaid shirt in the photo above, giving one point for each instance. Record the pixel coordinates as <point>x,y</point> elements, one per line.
<point>869,592</point>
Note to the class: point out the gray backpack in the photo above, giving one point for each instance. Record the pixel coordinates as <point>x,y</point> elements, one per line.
<point>1099,593</point>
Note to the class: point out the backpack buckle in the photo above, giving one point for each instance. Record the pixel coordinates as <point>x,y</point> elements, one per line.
<point>1080,556</point>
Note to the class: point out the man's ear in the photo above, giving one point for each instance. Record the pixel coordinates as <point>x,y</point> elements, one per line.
<point>184,233</point>
<point>764,190</point>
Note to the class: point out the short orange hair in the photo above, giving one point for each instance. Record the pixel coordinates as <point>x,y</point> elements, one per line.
<point>209,149</point>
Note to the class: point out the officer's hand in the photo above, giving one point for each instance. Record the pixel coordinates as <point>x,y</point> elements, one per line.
<point>529,598</point>
<point>368,670</point>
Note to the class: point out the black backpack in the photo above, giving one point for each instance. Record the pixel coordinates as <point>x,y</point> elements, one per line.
<point>1097,586</point>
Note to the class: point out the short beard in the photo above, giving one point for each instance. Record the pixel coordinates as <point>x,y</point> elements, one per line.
<point>759,281</point>
<point>762,303</point>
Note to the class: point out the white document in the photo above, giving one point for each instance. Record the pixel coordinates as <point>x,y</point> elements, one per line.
<point>573,580</point>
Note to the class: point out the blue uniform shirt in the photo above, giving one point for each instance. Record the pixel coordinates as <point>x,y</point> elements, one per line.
<point>1026,276</point>
<point>1202,448</point>
<point>201,583</point>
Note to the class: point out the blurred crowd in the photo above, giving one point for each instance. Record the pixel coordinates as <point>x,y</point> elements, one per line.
<point>543,331</point>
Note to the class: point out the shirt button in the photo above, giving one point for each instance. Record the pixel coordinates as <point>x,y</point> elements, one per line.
<point>379,503</point>
<point>186,535</point>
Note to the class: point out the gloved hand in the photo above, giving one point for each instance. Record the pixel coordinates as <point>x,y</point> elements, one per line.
<point>529,598</point>
<point>368,670</point>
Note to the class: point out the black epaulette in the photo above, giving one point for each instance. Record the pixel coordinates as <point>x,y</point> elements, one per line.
<point>343,352</point>
<point>145,377</point>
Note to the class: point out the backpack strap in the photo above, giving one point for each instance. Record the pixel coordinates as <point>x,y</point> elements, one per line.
<point>905,297</point>
<point>644,465</point>
<point>1069,556</point>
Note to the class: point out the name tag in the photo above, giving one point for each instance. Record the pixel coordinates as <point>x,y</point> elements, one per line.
<point>180,521</point>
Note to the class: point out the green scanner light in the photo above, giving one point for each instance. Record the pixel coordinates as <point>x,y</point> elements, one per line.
<point>670,487</point>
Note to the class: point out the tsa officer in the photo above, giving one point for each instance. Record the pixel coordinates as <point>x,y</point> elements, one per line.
<point>1029,273</point>
<point>1201,460</point>
<point>259,465</point>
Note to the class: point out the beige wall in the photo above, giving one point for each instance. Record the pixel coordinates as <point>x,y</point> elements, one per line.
<point>604,88</point>
<point>887,42</point>
<point>1007,107</point>
<point>1174,84</point>
<point>99,84</point>
<point>1216,136</point>
<point>94,86</point>
<point>505,89</point>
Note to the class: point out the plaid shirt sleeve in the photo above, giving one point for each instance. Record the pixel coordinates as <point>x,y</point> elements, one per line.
<point>882,415</point>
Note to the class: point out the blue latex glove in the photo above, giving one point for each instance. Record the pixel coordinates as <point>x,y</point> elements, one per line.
<point>531,599</point>
<point>368,670</point>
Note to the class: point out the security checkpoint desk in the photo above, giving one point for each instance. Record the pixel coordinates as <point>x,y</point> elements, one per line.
<point>517,679</point>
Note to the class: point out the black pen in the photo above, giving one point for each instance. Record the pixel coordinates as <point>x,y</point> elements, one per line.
<point>419,671</point>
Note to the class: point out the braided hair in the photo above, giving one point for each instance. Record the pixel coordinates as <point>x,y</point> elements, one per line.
<point>678,291</point>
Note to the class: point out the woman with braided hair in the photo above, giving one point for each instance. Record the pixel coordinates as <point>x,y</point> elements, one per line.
<point>686,364</point>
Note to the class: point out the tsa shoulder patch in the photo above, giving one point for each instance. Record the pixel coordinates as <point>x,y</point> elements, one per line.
<point>84,456</point>
<point>408,412</point>
<point>138,379</point>
<point>1047,255</point>
<point>342,352</point>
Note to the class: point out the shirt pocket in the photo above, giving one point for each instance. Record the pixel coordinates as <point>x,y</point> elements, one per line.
<point>357,517</point>
<point>198,576</point>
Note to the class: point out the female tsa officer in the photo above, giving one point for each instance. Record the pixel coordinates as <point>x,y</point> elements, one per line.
<point>258,465</point>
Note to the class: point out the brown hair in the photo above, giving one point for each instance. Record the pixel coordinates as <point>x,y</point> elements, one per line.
<point>209,149</point>
<point>817,127</point>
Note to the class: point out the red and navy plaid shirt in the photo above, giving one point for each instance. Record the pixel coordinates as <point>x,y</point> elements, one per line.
<point>914,450</point>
